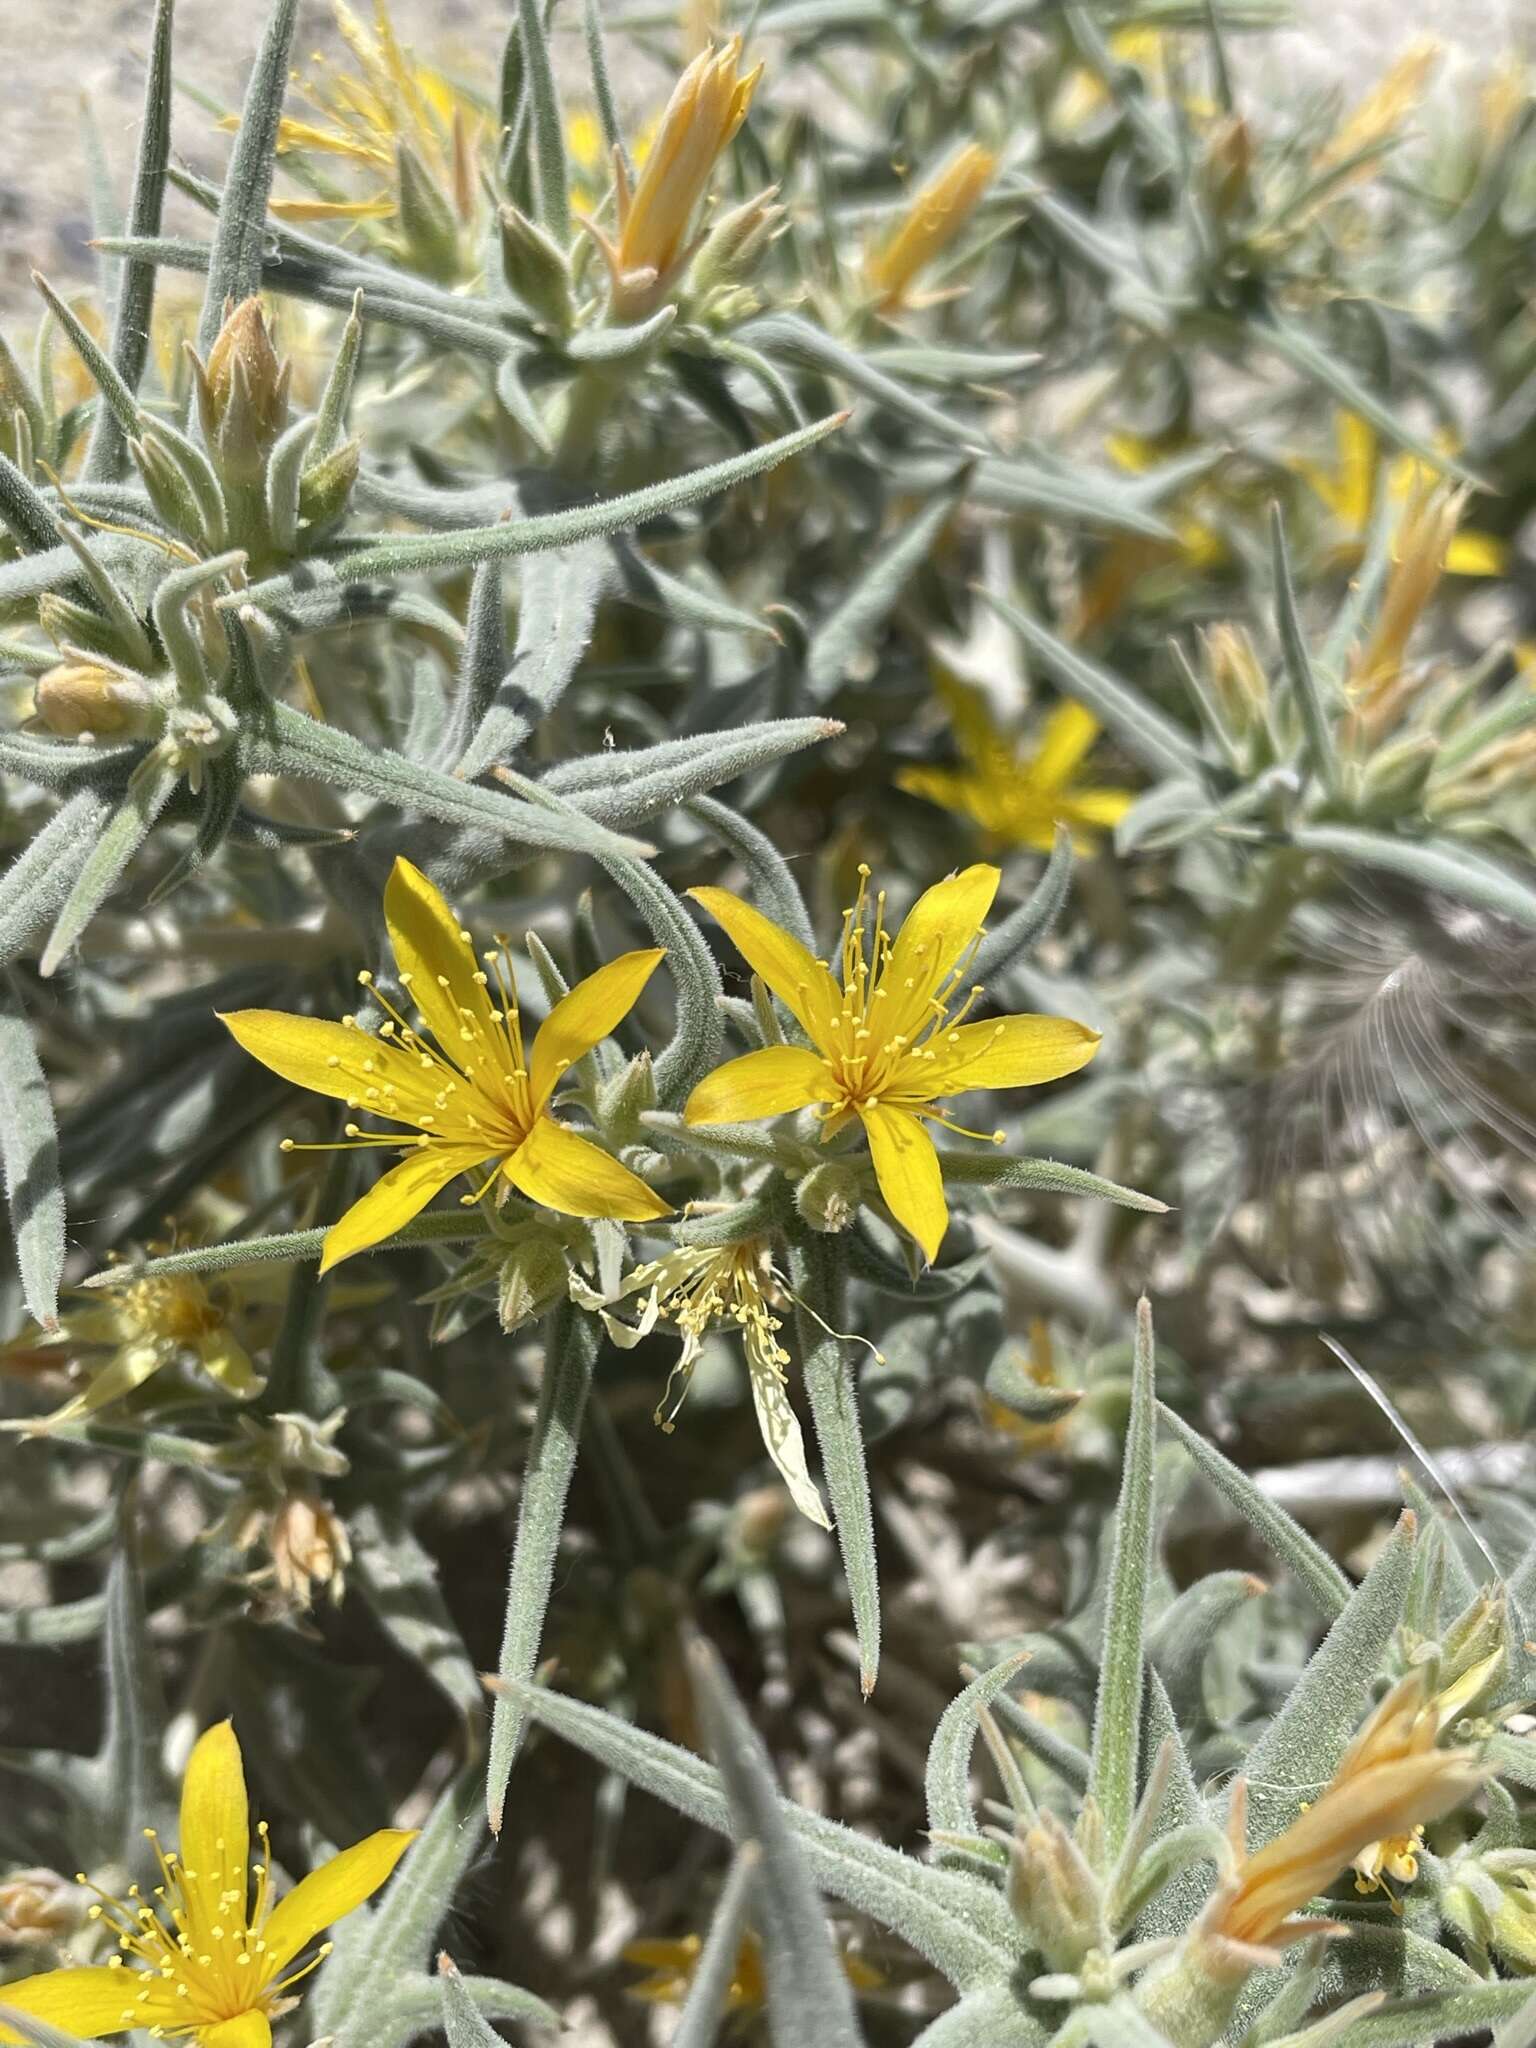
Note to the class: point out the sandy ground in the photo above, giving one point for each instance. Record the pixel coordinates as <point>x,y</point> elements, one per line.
<point>70,52</point>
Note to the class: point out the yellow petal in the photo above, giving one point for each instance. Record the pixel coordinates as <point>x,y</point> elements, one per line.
<point>1102,807</point>
<point>940,926</point>
<point>1069,732</point>
<point>907,1168</point>
<point>215,1825</point>
<point>1476,554</point>
<point>229,1365</point>
<point>128,1368</point>
<point>1356,440</point>
<point>569,1173</point>
<point>1009,1052</point>
<point>396,1197</point>
<point>767,1083</point>
<point>585,1017</point>
<point>799,980</point>
<point>330,1893</point>
<point>329,1059</point>
<point>438,965</point>
<point>87,2003</point>
<point>245,2030</point>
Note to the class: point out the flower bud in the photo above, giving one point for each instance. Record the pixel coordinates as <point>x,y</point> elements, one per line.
<point>1054,1894</point>
<point>242,394</point>
<point>934,216</point>
<point>730,251</point>
<point>1229,166</point>
<point>79,700</point>
<point>829,1195</point>
<point>325,489</point>
<point>309,1549</point>
<point>532,1277</point>
<point>428,228</point>
<point>1395,776</point>
<point>40,1906</point>
<point>535,270</point>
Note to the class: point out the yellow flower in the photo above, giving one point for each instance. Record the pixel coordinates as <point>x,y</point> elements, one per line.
<point>1379,683</point>
<point>475,1096</point>
<point>708,105</point>
<point>212,1961</point>
<point>368,117</point>
<point>1376,120</point>
<point>1350,490</point>
<point>673,1965</point>
<point>934,216</point>
<point>1391,1782</point>
<point>696,1287</point>
<point>145,1326</point>
<point>888,1042</point>
<point>1018,798</point>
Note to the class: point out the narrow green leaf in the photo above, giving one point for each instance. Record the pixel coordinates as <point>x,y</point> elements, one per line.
<point>148,793</point>
<point>133,1791</point>
<point>827,1367</point>
<point>705,2012</point>
<point>1046,1176</point>
<point>399,1580</point>
<point>1319,1577</point>
<point>570,1352</point>
<point>1301,1747</point>
<point>1440,864</point>
<point>870,599</point>
<point>698,1042</point>
<point>809,1997</point>
<point>557,606</point>
<point>554,214</point>
<point>962,1928</point>
<point>117,398</point>
<point>443,1226</point>
<point>1117,1711</point>
<point>239,233</point>
<point>1023,929</point>
<point>1136,722</point>
<point>1316,723</point>
<point>612,344</point>
<point>947,1775</point>
<point>26,515</point>
<point>787,336</point>
<point>773,885</point>
<point>29,1156</point>
<point>465,2001</point>
<point>557,529</point>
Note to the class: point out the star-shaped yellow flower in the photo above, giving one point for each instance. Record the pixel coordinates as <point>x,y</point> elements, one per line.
<point>1018,798</point>
<point>212,1958</point>
<point>476,1096</point>
<point>887,1042</point>
<point>1349,489</point>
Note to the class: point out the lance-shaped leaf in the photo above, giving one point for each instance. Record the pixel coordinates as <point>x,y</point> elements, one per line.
<point>947,1774</point>
<point>239,233</point>
<point>1325,1585</point>
<point>1045,1176</point>
<point>469,2004</point>
<point>29,1155</point>
<point>380,1948</point>
<point>128,1772</point>
<point>548,126</point>
<point>436,1227</point>
<point>699,1039</point>
<point>704,2014</point>
<point>874,595</point>
<point>962,1927</point>
<point>1184,1632</point>
<point>809,1997</point>
<point>557,606</point>
<point>1116,1747</point>
<point>544,530</point>
<point>148,793</point>
<point>773,885</point>
<point>1023,929</point>
<point>989,2018</point>
<point>625,788</point>
<point>289,743</point>
<point>1137,723</point>
<point>399,1580</point>
<point>1438,864</point>
<point>1322,752</point>
<point>1301,1747</point>
<point>827,1367</point>
<point>25,512</point>
<point>788,338</point>
<point>570,1352</point>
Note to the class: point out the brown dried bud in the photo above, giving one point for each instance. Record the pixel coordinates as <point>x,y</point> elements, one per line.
<point>309,1548</point>
<point>79,699</point>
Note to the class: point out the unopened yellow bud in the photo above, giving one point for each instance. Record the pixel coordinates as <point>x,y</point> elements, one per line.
<point>242,393</point>
<point>79,698</point>
<point>708,105</point>
<point>937,213</point>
